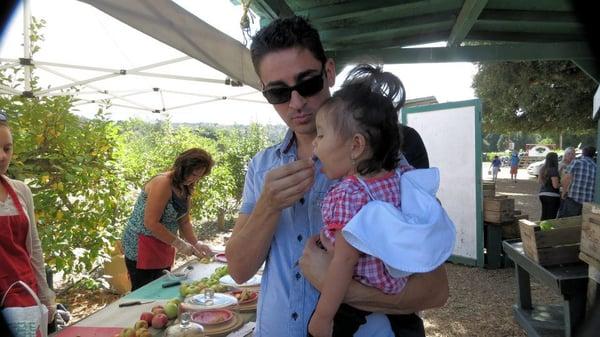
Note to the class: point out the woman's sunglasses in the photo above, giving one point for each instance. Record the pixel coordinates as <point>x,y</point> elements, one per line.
<point>306,88</point>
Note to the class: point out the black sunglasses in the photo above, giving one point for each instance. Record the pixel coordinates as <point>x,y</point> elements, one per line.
<point>306,88</point>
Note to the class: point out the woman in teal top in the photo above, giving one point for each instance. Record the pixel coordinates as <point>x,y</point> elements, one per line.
<point>161,210</point>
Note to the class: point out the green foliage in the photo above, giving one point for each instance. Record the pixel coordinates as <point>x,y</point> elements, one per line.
<point>521,139</point>
<point>86,174</point>
<point>149,149</point>
<point>225,184</point>
<point>542,97</point>
<point>70,167</point>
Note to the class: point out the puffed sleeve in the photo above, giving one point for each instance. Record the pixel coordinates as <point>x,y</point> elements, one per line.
<point>340,205</point>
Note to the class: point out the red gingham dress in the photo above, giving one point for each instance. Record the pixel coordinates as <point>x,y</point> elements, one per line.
<point>342,202</point>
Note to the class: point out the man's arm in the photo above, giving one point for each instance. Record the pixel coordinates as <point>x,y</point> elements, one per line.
<point>247,248</point>
<point>422,291</point>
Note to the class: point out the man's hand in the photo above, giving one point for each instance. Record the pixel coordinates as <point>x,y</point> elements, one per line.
<point>253,233</point>
<point>287,184</point>
<point>320,327</point>
<point>315,261</point>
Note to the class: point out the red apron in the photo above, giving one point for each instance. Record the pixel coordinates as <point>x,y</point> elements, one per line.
<point>15,262</point>
<point>153,253</point>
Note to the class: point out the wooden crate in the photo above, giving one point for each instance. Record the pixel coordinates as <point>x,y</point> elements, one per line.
<point>559,245</point>
<point>499,204</point>
<point>590,230</point>
<point>489,189</point>
<point>498,210</point>
<point>498,217</point>
<point>511,230</point>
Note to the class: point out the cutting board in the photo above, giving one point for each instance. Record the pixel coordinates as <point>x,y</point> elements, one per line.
<point>85,331</point>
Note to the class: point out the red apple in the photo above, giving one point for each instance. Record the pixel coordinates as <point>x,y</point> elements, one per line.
<point>159,321</point>
<point>147,316</point>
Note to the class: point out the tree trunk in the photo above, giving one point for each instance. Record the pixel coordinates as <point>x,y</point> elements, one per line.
<point>221,220</point>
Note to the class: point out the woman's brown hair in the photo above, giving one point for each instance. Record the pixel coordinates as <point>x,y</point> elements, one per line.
<point>188,162</point>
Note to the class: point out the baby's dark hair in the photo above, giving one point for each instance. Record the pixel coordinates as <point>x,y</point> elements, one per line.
<point>368,103</point>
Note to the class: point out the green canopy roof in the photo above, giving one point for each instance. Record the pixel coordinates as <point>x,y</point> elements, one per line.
<point>475,30</point>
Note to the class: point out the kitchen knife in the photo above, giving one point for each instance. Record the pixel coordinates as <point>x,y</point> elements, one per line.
<point>171,284</point>
<point>130,303</point>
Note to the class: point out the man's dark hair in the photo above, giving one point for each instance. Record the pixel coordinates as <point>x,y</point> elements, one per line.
<point>589,151</point>
<point>284,33</point>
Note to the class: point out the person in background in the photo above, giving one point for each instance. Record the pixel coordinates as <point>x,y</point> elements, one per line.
<point>514,165</point>
<point>578,183</point>
<point>161,210</point>
<point>280,215</point>
<point>495,168</point>
<point>568,157</point>
<point>413,148</point>
<point>549,187</point>
<point>21,256</point>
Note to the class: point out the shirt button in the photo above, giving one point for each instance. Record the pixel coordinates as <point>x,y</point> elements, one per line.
<point>302,201</point>
<point>295,316</point>
<point>298,276</point>
<point>299,237</point>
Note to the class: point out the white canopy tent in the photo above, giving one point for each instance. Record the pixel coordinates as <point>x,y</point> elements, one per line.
<point>159,78</point>
<point>166,21</point>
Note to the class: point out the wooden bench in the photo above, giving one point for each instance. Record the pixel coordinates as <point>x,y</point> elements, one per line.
<point>569,281</point>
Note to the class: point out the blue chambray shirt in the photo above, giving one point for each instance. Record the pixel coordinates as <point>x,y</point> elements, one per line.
<point>287,299</point>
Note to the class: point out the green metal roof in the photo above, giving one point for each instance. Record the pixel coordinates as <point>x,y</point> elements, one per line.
<point>475,30</point>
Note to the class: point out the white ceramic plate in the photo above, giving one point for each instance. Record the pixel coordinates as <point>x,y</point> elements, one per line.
<point>252,282</point>
<point>220,300</point>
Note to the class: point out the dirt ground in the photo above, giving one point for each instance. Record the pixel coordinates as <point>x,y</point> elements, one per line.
<point>480,302</point>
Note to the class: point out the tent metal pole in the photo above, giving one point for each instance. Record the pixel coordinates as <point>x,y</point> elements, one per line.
<point>246,100</point>
<point>10,90</point>
<point>69,85</point>
<point>8,65</point>
<point>27,44</point>
<point>194,103</point>
<point>117,105</point>
<point>176,77</point>
<point>95,88</point>
<point>203,95</point>
<point>66,93</point>
<point>112,70</point>
<point>74,66</point>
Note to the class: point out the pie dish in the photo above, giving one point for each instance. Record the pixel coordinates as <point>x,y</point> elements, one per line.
<point>212,317</point>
